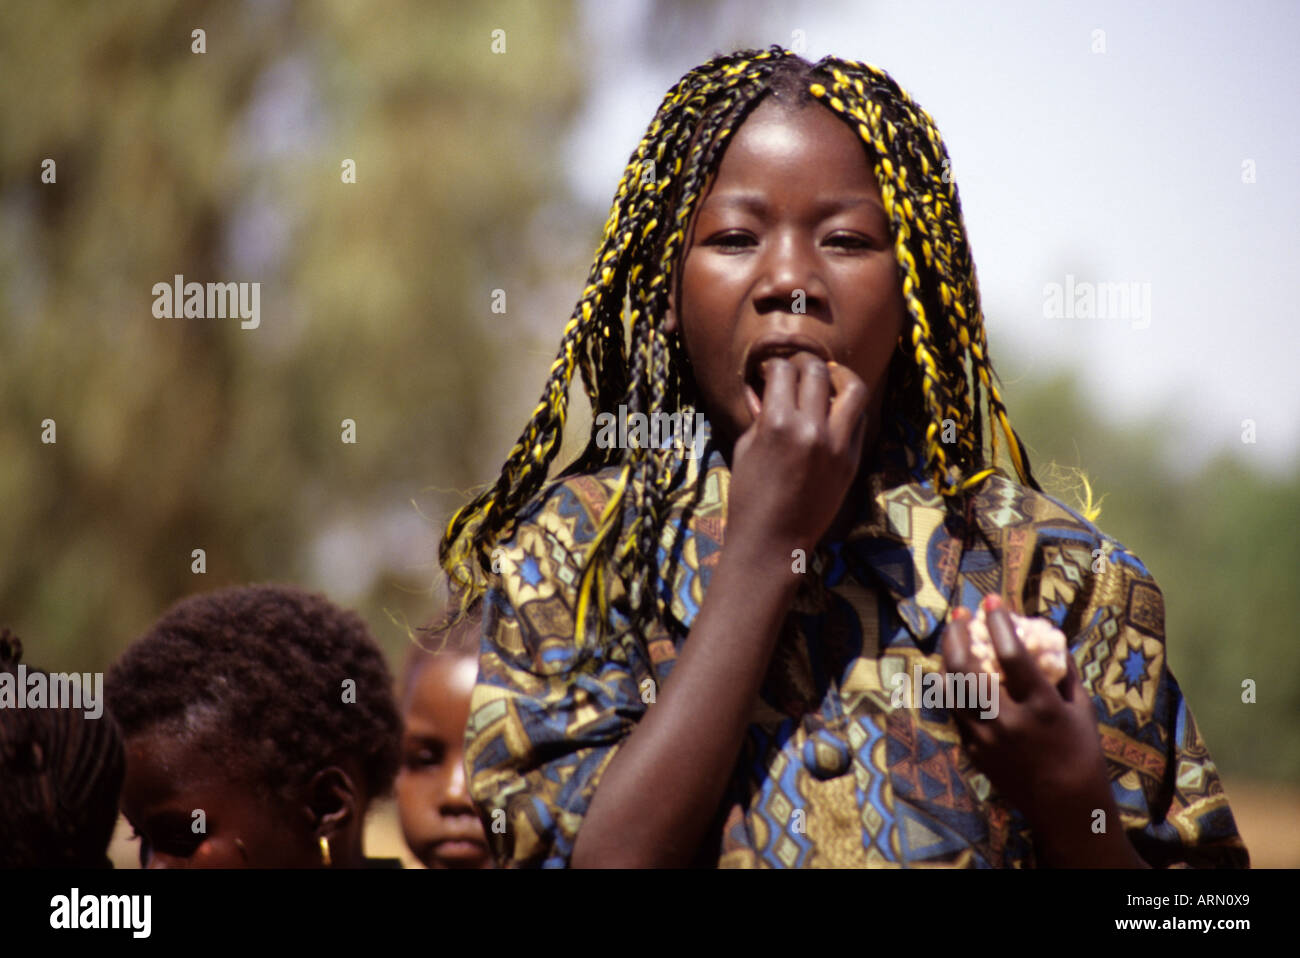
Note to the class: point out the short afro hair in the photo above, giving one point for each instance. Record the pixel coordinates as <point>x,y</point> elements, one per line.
<point>264,667</point>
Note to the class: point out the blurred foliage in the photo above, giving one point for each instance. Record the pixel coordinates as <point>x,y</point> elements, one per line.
<point>178,434</point>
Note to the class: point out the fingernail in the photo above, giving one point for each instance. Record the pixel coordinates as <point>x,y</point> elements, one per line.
<point>961,614</point>
<point>992,602</point>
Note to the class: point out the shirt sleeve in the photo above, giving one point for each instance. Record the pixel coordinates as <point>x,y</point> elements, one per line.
<point>1171,800</point>
<point>545,717</point>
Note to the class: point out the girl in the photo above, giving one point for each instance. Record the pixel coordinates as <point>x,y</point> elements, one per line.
<point>260,725</point>
<point>694,659</point>
<point>439,823</point>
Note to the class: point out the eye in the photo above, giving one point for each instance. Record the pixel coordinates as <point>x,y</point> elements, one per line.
<point>426,754</point>
<point>852,241</point>
<point>174,841</point>
<point>731,240</point>
<point>178,845</point>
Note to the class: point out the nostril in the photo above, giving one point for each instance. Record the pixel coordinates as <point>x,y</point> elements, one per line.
<point>456,805</point>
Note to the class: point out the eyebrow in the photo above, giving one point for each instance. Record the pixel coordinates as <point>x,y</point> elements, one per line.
<point>825,206</point>
<point>423,731</point>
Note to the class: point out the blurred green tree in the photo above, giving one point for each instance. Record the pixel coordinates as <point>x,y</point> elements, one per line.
<point>229,165</point>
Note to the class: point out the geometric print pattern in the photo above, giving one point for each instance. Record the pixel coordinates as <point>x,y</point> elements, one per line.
<point>830,773</point>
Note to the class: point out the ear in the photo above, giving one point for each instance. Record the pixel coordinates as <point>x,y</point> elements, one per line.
<point>333,801</point>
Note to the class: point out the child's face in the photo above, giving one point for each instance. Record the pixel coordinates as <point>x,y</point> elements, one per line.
<point>438,820</point>
<point>169,779</point>
<point>794,207</point>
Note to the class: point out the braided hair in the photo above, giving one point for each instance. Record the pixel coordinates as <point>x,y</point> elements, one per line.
<point>942,373</point>
<point>60,774</point>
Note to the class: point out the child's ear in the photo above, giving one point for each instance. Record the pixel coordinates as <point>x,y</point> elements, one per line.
<point>333,802</point>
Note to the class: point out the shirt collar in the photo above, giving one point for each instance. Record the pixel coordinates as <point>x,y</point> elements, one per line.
<point>906,539</point>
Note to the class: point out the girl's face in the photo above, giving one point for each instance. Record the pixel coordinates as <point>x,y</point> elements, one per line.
<point>438,820</point>
<point>169,781</point>
<point>789,250</point>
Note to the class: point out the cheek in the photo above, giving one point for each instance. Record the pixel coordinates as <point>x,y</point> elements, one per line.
<point>273,834</point>
<point>416,806</point>
<point>415,792</point>
<point>222,852</point>
<point>883,290</point>
<point>704,317</point>
<point>877,298</point>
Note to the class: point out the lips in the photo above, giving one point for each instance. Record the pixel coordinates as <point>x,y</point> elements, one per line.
<point>452,851</point>
<point>777,346</point>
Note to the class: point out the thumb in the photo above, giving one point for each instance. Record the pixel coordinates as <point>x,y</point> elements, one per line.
<point>1071,686</point>
<point>848,419</point>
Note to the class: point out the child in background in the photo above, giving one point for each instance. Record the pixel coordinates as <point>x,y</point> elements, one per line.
<point>260,725</point>
<point>439,822</point>
<point>692,659</point>
<point>60,773</point>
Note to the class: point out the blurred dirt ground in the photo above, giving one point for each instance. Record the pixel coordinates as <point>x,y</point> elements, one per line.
<point>1268,817</point>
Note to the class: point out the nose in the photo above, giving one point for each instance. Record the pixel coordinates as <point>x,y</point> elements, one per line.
<point>790,274</point>
<point>457,793</point>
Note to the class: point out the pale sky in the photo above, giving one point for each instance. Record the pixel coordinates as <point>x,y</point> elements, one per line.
<point>1123,166</point>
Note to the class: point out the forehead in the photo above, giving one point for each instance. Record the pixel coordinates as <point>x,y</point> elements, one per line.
<point>165,767</point>
<point>442,686</point>
<point>785,150</point>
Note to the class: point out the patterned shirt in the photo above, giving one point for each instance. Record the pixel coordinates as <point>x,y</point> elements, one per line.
<point>831,772</point>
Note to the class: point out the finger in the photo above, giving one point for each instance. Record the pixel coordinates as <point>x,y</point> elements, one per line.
<point>1071,679</point>
<point>781,379</point>
<point>958,659</point>
<point>977,739</point>
<point>847,421</point>
<point>956,642</point>
<point>814,384</point>
<point>1073,691</point>
<point>1022,675</point>
<point>752,402</point>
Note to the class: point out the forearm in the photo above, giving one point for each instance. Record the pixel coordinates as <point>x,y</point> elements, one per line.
<point>1068,841</point>
<point>661,790</point>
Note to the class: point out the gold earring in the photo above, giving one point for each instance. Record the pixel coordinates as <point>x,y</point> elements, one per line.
<point>325,851</point>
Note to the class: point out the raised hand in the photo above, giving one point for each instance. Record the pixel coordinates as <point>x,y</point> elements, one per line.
<point>1041,751</point>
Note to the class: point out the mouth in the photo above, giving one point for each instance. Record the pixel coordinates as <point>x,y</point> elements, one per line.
<point>775,347</point>
<point>458,849</point>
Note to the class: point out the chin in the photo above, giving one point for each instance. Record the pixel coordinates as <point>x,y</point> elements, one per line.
<point>435,857</point>
<point>436,862</point>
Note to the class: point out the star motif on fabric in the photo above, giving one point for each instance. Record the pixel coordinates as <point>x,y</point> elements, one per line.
<point>528,569</point>
<point>1135,669</point>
